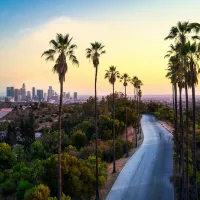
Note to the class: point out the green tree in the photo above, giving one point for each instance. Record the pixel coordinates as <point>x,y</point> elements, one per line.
<point>39,192</point>
<point>79,139</point>
<point>62,47</point>
<point>93,53</point>
<point>50,140</point>
<point>19,153</point>
<point>112,74</point>
<point>6,156</point>
<point>37,150</point>
<point>22,187</point>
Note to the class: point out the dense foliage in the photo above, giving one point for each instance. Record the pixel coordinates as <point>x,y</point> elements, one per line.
<point>28,165</point>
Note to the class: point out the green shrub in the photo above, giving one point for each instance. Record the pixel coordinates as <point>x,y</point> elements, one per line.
<point>79,139</point>
<point>8,188</point>
<point>39,192</point>
<point>22,187</point>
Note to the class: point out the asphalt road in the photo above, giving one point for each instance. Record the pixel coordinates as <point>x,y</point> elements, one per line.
<point>146,175</point>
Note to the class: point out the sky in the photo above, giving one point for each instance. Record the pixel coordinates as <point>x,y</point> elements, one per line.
<point>132,31</point>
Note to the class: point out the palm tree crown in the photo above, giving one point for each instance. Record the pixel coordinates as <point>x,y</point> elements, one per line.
<point>125,78</point>
<point>62,47</point>
<point>94,52</point>
<point>112,74</point>
<point>181,32</point>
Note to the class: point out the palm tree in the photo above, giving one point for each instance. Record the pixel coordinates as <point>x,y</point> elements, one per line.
<point>193,58</point>
<point>181,34</point>
<point>112,74</point>
<point>62,48</point>
<point>138,86</point>
<point>172,75</point>
<point>139,95</point>
<point>134,83</point>
<point>125,78</point>
<point>93,53</point>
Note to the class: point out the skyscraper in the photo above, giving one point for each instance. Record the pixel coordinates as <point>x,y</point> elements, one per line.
<point>23,91</point>
<point>33,93</point>
<point>29,95</point>
<point>68,95</point>
<point>75,95</point>
<point>17,95</point>
<point>40,95</point>
<point>10,92</point>
<point>45,96</point>
<point>50,93</point>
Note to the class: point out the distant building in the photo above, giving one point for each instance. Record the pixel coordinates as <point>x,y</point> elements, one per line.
<point>50,93</point>
<point>40,95</point>
<point>29,95</point>
<point>17,95</point>
<point>75,95</point>
<point>23,91</point>
<point>45,96</point>
<point>9,99</point>
<point>10,92</point>
<point>68,95</point>
<point>33,93</point>
<point>55,98</point>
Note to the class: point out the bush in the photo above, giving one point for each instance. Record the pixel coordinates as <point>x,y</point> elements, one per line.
<point>78,175</point>
<point>37,150</point>
<point>7,188</point>
<point>22,187</point>
<point>6,156</point>
<point>90,151</point>
<point>79,139</point>
<point>39,192</point>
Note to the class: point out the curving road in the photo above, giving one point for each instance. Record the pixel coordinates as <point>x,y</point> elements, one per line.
<point>146,174</point>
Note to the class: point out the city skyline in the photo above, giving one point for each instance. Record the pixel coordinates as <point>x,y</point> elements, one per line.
<point>36,94</point>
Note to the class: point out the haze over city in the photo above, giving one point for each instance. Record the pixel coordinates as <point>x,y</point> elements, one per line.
<point>132,31</point>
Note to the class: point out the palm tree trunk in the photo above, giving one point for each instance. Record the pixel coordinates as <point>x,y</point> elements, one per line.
<point>176,121</point>
<point>195,197</point>
<point>96,139</point>
<point>134,94</point>
<point>114,166</point>
<point>59,144</point>
<point>126,126</point>
<point>182,143</point>
<point>138,111</point>
<point>139,118</point>
<point>187,132</point>
<point>135,135</point>
<point>173,100</point>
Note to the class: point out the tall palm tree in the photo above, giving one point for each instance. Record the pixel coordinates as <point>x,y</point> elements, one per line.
<point>125,78</point>
<point>193,58</point>
<point>134,83</point>
<point>181,33</point>
<point>112,74</point>
<point>139,95</point>
<point>62,48</point>
<point>173,76</point>
<point>138,86</point>
<point>93,53</point>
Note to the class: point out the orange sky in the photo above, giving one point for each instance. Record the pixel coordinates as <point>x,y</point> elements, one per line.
<point>134,44</point>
